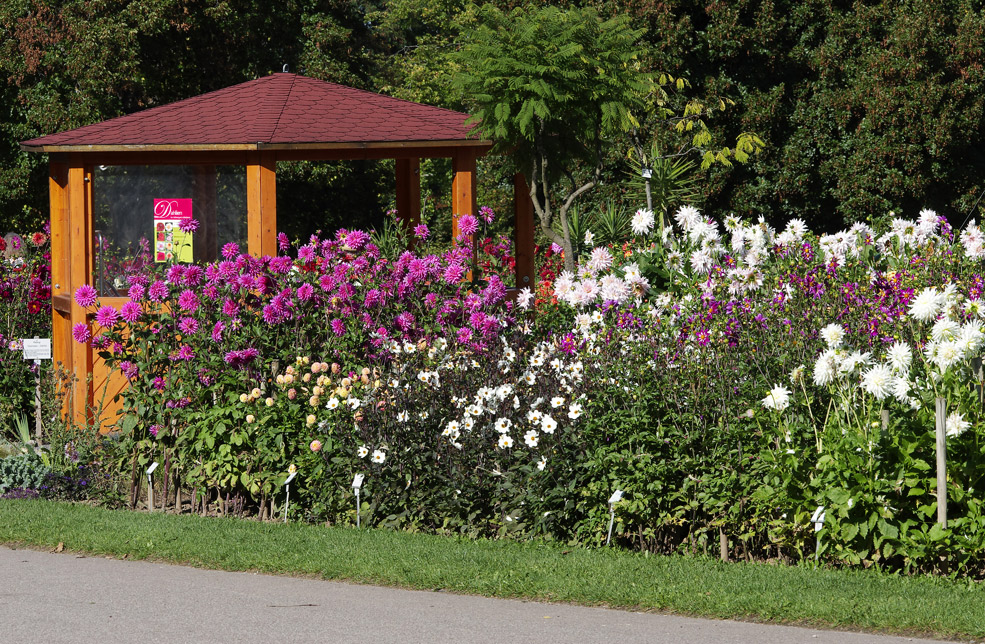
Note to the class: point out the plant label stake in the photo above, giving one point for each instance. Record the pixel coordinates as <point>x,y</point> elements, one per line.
<point>818,520</point>
<point>287,486</point>
<point>941,427</point>
<point>150,486</point>
<point>615,498</point>
<point>37,349</point>
<point>357,483</point>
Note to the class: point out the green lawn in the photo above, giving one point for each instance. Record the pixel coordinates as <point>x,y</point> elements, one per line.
<point>845,599</point>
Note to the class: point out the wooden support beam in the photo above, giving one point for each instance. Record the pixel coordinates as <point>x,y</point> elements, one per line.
<point>204,209</point>
<point>523,236</point>
<point>261,200</point>
<point>80,270</point>
<point>61,321</point>
<point>463,188</point>
<point>409,193</point>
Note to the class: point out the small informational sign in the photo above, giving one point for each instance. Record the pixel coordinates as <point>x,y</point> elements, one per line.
<point>818,518</point>
<point>357,481</point>
<point>37,348</point>
<point>170,242</point>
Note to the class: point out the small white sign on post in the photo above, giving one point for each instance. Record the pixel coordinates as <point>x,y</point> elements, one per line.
<point>150,487</point>
<point>37,349</point>
<point>287,489</point>
<point>357,484</point>
<point>615,498</point>
<point>818,520</point>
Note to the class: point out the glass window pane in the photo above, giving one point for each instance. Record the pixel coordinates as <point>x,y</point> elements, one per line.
<point>147,215</point>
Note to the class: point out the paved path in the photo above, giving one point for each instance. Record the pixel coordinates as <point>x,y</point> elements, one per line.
<point>68,598</point>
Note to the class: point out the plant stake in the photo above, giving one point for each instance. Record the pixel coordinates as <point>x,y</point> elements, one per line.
<point>287,485</point>
<point>150,486</point>
<point>941,418</point>
<point>37,349</point>
<point>818,520</point>
<point>357,483</point>
<point>615,498</point>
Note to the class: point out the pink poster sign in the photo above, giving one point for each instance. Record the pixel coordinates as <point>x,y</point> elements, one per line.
<point>170,242</point>
<point>172,209</point>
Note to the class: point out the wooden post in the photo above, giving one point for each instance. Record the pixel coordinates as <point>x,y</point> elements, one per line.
<point>979,373</point>
<point>37,402</point>
<point>723,544</point>
<point>523,236</point>
<point>261,203</point>
<point>463,185</point>
<point>409,193</point>
<point>61,275</point>
<point>941,427</point>
<point>204,208</point>
<point>80,223</point>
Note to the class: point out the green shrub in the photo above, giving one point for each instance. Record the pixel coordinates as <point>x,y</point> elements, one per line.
<point>22,471</point>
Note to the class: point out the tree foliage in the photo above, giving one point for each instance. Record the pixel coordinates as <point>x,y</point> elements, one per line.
<point>865,107</point>
<point>552,89</point>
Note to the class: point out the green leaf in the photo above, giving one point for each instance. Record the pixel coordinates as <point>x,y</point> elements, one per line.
<point>887,530</point>
<point>849,531</point>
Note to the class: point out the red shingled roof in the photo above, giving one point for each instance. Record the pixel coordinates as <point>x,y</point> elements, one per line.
<point>278,109</point>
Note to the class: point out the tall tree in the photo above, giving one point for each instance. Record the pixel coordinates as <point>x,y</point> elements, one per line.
<point>552,89</point>
<point>557,90</point>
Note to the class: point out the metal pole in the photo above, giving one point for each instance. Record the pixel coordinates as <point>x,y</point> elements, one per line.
<point>150,493</point>
<point>37,403</point>
<point>941,427</point>
<point>287,501</point>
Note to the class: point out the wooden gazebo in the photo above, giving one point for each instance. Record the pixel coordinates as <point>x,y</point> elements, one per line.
<point>282,117</point>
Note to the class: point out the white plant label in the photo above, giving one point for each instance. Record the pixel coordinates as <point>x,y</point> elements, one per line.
<point>150,470</point>
<point>37,348</point>
<point>290,478</point>
<point>616,497</point>
<point>357,481</point>
<point>818,518</point>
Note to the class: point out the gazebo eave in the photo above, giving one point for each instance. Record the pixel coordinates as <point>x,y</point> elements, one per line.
<point>234,153</point>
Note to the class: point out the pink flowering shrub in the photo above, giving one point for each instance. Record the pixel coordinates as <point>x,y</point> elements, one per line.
<point>193,338</point>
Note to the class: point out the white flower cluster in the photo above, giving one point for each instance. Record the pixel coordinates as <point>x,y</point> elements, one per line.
<point>509,404</point>
<point>591,286</point>
<point>905,235</point>
<point>847,243</point>
<point>837,364</point>
<point>751,243</point>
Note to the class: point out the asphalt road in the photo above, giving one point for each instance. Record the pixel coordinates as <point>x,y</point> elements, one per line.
<point>67,598</point>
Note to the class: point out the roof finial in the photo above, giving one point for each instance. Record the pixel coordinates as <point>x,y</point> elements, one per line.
<point>286,68</point>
